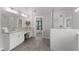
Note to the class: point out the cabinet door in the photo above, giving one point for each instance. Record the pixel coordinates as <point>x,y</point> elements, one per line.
<point>6,43</point>
<point>20,38</point>
<point>16,39</point>
<point>13,39</point>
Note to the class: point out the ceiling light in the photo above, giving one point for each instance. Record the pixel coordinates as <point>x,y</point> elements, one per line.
<point>11,10</point>
<point>24,15</point>
<point>77,10</point>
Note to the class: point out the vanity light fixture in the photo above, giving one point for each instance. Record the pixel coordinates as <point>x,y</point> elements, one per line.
<point>14,11</point>
<point>24,15</point>
<point>77,10</point>
<point>10,10</point>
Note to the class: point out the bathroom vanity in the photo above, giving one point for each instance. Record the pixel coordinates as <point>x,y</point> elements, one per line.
<point>11,30</point>
<point>12,40</point>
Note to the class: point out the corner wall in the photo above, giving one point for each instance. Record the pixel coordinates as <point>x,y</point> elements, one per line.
<point>1,43</point>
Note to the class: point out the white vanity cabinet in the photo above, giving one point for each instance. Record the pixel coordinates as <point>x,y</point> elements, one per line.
<point>5,39</point>
<point>13,38</point>
<point>16,39</point>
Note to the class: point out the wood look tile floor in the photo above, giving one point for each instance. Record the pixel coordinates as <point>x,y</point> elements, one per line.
<point>34,44</point>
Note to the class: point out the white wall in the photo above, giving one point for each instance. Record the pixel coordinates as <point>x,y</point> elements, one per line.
<point>75,20</point>
<point>65,12</point>
<point>1,45</point>
<point>23,21</point>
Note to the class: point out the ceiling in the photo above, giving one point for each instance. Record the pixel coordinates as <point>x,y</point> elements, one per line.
<point>42,9</point>
<point>23,9</point>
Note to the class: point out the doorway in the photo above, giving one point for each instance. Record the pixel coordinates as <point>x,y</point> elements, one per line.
<point>39,26</point>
